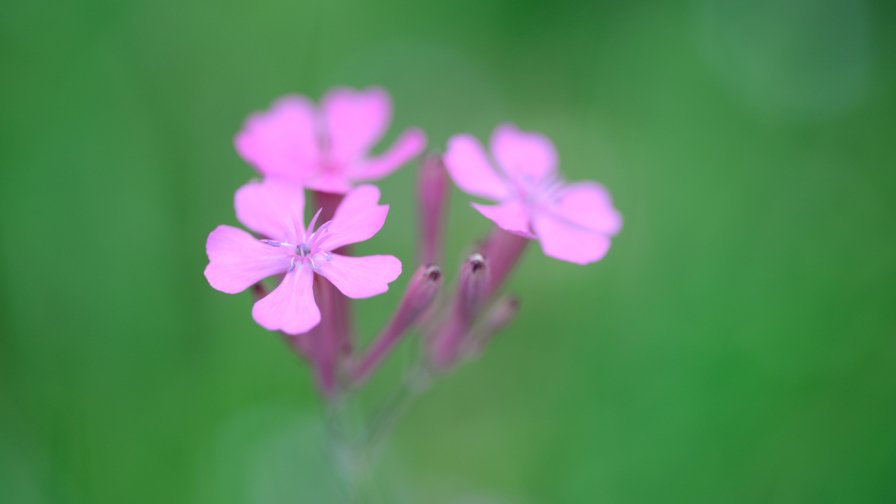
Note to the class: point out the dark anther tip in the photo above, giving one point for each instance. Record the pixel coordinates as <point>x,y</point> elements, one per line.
<point>433,272</point>
<point>477,261</point>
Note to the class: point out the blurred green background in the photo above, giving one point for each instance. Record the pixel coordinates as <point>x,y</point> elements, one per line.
<point>737,345</point>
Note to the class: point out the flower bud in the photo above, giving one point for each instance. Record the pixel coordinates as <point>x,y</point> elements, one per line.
<point>446,344</point>
<point>472,287</point>
<point>433,193</point>
<point>418,297</point>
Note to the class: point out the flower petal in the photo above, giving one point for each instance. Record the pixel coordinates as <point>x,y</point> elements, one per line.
<point>358,218</point>
<point>589,205</point>
<point>355,120</point>
<point>328,182</point>
<point>471,170</point>
<point>273,208</point>
<point>237,260</point>
<point>281,141</point>
<point>408,145</point>
<point>361,277</point>
<point>290,307</point>
<point>522,154</point>
<point>566,241</point>
<point>510,216</point>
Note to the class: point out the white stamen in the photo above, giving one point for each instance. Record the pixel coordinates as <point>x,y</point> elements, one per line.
<point>311,225</point>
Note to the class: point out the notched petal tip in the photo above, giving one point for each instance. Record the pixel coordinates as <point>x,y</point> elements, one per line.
<point>280,140</point>
<point>589,205</point>
<point>571,243</point>
<point>525,155</point>
<point>363,276</point>
<point>471,169</point>
<point>212,276</point>
<point>237,260</point>
<point>355,121</point>
<point>291,307</point>
<point>405,148</point>
<point>272,207</point>
<point>358,218</point>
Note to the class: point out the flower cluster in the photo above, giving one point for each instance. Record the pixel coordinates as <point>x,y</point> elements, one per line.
<point>299,146</point>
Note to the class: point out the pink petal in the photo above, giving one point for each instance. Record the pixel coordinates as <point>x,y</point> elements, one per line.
<point>355,120</point>
<point>290,307</point>
<point>237,260</point>
<point>408,145</point>
<point>588,205</point>
<point>329,182</point>
<point>281,141</point>
<point>522,154</point>
<point>361,277</point>
<point>471,170</point>
<point>568,242</point>
<point>358,218</point>
<point>273,208</point>
<point>510,216</point>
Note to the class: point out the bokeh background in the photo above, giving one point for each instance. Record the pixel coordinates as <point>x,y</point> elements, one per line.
<point>737,345</point>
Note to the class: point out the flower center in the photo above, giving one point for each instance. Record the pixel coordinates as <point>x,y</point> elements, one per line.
<point>310,250</point>
<point>538,192</point>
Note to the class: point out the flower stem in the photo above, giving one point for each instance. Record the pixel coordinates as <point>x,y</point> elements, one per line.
<point>418,297</point>
<point>353,456</point>
<point>334,333</point>
<point>416,382</point>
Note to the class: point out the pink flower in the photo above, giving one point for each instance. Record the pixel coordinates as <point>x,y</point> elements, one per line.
<point>326,148</point>
<point>274,209</point>
<point>572,222</point>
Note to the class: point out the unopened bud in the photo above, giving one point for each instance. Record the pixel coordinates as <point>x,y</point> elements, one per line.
<point>433,193</point>
<point>473,284</point>
<point>418,297</point>
<point>451,337</point>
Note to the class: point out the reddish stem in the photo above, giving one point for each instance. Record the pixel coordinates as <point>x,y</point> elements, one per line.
<point>418,297</point>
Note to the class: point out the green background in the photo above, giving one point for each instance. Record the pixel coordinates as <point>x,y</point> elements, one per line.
<point>738,344</point>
